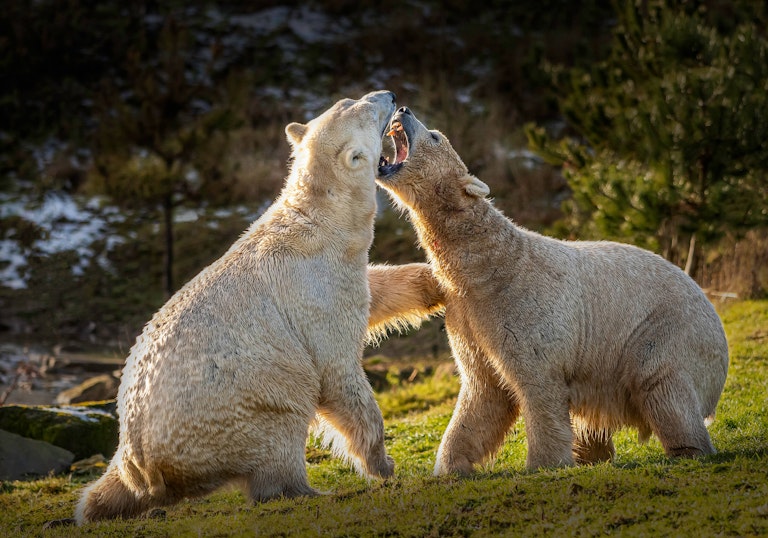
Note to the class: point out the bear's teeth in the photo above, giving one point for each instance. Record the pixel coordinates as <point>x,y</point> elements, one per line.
<point>395,127</point>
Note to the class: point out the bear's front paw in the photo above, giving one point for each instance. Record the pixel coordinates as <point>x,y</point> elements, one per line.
<point>384,467</point>
<point>388,468</point>
<point>453,466</point>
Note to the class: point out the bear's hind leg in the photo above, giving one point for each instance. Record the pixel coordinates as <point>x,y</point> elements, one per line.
<point>483,414</point>
<point>547,425</point>
<point>672,409</point>
<point>279,469</point>
<point>357,427</point>
<point>271,482</point>
<point>110,498</point>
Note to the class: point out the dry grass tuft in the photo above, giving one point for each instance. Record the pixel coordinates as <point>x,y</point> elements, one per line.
<point>736,268</point>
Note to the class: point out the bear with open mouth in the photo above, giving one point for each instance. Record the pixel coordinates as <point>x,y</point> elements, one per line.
<point>580,338</point>
<point>227,378</point>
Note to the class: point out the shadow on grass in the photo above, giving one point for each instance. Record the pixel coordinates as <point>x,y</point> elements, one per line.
<point>727,456</point>
<point>647,462</point>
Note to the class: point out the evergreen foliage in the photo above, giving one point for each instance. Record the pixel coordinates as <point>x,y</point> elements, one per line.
<point>150,134</point>
<point>672,127</point>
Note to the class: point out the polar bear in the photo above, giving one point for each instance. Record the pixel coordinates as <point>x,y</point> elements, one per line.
<point>224,381</point>
<point>581,338</point>
<point>402,296</point>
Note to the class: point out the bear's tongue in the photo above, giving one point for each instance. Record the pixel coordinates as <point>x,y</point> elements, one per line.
<point>401,142</point>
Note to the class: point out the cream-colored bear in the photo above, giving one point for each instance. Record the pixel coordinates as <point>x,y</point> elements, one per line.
<point>224,381</point>
<point>581,338</point>
<point>402,296</point>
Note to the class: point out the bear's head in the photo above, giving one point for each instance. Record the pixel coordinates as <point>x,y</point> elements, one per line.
<point>426,172</point>
<point>344,142</point>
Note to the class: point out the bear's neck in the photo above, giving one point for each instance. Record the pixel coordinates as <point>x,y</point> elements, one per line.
<point>329,216</point>
<point>462,244</point>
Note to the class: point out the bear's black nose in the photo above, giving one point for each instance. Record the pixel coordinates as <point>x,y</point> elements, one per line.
<point>404,110</point>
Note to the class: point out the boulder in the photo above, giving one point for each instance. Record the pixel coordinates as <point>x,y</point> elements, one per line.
<point>95,465</point>
<point>98,388</point>
<point>22,458</point>
<point>84,430</point>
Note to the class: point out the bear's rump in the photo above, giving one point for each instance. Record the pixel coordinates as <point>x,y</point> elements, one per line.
<point>216,449</point>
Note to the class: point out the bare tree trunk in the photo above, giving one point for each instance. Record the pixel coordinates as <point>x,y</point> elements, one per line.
<point>168,268</point>
<point>690,261</point>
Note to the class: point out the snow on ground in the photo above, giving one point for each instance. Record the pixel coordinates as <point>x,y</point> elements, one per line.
<point>70,224</point>
<point>75,224</point>
<point>65,226</point>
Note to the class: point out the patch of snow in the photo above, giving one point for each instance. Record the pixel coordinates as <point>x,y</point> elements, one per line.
<point>223,213</point>
<point>316,27</point>
<point>262,22</point>
<point>154,19</point>
<point>410,86</point>
<point>66,226</point>
<point>478,69</point>
<point>523,153</point>
<point>82,414</point>
<point>85,227</point>
<point>273,92</point>
<point>464,96</point>
<point>44,153</point>
<point>528,158</point>
<point>312,103</point>
<point>14,259</point>
<point>380,77</point>
<point>185,215</point>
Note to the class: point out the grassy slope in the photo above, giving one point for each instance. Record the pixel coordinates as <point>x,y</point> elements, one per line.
<point>640,493</point>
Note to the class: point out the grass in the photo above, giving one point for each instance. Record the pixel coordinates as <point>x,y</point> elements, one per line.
<point>640,493</point>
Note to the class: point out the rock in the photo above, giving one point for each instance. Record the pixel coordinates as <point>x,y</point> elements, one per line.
<point>22,458</point>
<point>76,358</point>
<point>98,388</point>
<point>84,430</point>
<point>96,464</point>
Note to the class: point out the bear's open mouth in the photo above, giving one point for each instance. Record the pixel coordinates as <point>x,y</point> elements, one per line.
<point>400,138</point>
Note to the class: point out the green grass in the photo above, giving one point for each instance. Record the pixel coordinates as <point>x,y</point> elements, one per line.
<point>640,493</point>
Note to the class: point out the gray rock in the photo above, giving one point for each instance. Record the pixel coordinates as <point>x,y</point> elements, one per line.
<point>22,458</point>
<point>84,430</point>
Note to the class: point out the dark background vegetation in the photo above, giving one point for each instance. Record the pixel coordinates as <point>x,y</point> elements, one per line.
<point>164,107</point>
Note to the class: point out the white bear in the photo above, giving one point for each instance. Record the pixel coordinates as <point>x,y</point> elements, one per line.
<point>581,338</point>
<point>402,296</point>
<point>224,381</point>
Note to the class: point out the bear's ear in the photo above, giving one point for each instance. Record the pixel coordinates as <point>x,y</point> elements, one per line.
<point>353,158</point>
<point>475,187</point>
<point>295,132</point>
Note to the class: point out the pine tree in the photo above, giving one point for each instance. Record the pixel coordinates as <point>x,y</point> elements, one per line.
<point>153,125</point>
<point>673,127</point>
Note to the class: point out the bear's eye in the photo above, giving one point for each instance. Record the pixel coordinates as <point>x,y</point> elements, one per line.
<point>354,157</point>
<point>435,137</point>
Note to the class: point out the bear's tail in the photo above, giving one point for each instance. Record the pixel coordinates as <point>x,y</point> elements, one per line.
<point>402,296</point>
<point>109,498</point>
